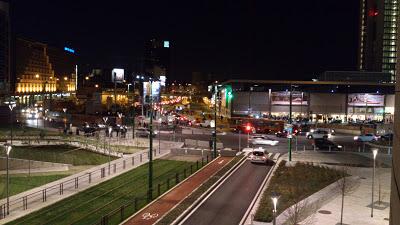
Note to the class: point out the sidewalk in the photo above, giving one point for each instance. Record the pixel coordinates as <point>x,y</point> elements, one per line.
<point>357,205</point>
<point>36,198</point>
<point>150,214</point>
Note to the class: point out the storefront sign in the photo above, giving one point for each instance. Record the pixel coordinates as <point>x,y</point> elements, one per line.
<point>283,98</point>
<point>366,100</point>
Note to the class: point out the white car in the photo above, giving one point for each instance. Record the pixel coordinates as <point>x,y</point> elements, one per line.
<point>366,138</point>
<point>316,134</point>
<point>259,155</point>
<point>263,140</point>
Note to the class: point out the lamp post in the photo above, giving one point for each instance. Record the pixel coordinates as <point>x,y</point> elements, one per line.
<point>109,152</point>
<point>8,148</point>
<point>150,196</point>
<point>274,198</point>
<point>11,106</point>
<point>374,153</point>
<point>65,118</point>
<point>290,146</point>
<point>215,120</point>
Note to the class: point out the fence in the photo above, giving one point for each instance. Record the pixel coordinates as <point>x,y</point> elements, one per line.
<point>121,213</point>
<point>72,183</point>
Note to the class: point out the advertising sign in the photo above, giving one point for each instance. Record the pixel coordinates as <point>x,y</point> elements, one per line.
<point>117,75</point>
<point>155,90</point>
<point>163,79</point>
<point>366,100</point>
<point>283,98</point>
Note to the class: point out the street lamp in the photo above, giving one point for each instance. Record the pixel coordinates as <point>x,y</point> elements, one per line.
<point>109,152</point>
<point>8,150</point>
<point>374,153</point>
<point>274,198</point>
<point>65,119</point>
<point>290,136</point>
<point>11,106</point>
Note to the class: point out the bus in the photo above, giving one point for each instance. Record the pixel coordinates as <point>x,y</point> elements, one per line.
<point>261,125</point>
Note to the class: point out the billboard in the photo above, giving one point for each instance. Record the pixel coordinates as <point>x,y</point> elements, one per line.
<point>117,75</point>
<point>155,90</point>
<point>163,79</point>
<point>283,98</point>
<point>366,100</point>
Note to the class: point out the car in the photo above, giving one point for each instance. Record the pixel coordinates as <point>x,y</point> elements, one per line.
<point>262,140</point>
<point>259,155</point>
<point>144,132</point>
<point>387,137</point>
<point>325,144</point>
<point>315,134</point>
<point>365,138</point>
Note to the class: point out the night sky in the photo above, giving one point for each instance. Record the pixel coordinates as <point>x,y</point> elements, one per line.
<point>239,39</point>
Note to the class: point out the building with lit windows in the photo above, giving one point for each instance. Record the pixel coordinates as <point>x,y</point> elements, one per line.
<point>42,72</point>
<point>378,35</point>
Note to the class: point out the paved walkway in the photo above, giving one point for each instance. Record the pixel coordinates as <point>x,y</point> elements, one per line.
<point>357,205</point>
<point>150,214</point>
<point>35,200</point>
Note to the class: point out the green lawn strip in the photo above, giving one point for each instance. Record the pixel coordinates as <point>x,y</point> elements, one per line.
<point>294,184</point>
<point>59,154</point>
<point>21,183</point>
<point>88,206</point>
<point>188,201</point>
<point>5,131</point>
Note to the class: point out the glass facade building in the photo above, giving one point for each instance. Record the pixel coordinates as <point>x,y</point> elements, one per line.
<point>378,36</point>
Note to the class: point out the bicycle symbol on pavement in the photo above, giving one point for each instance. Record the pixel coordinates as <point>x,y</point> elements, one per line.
<point>149,216</point>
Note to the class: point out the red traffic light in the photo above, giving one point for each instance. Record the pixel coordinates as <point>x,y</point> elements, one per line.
<point>248,127</point>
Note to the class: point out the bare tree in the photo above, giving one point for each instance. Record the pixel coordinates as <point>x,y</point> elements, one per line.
<point>300,208</point>
<point>345,187</point>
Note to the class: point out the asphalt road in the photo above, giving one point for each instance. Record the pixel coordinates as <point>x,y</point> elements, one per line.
<point>229,203</point>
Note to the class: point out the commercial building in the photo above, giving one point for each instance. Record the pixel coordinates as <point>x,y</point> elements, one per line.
<point>321,101</point>
<point>378,35</point>
<point>43,72</point>
<point>5,40</point>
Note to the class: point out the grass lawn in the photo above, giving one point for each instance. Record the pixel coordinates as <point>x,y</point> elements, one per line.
<point>294,184</point>
<point>89,206</point>
<point>18,130</point>
<point>21,183</point>
<point>59,154</point>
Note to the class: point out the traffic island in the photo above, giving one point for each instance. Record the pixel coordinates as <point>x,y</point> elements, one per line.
<point>294,183</point>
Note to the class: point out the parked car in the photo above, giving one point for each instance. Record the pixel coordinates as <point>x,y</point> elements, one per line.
<point>144,132</point>
<point>259,155</point>
<point>315,134</point>
<point>325,144</point>
<point>365,138</point>
<point>262,140</point>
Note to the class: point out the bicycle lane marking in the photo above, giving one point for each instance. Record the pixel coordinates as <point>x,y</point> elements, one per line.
<point>151,213</point>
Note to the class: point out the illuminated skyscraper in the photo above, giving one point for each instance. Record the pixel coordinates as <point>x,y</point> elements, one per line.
<point>378,35</point>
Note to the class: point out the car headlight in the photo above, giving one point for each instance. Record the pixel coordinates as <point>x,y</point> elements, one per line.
<point>312,130</point>
<point>339,146</point>
<point>355,138</point>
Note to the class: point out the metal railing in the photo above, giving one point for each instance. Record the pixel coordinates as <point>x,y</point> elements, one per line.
<point>55,189</point>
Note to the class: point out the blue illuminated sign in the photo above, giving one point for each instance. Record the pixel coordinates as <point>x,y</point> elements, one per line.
<point>166,44</point>
<point>69,50</point>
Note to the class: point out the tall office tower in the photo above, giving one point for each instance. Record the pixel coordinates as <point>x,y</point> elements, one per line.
<point>157,58</point>
<point>378,35</point>
<point>5,40</point>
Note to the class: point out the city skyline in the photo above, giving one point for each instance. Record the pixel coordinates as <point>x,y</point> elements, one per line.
<point>249,39</point>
